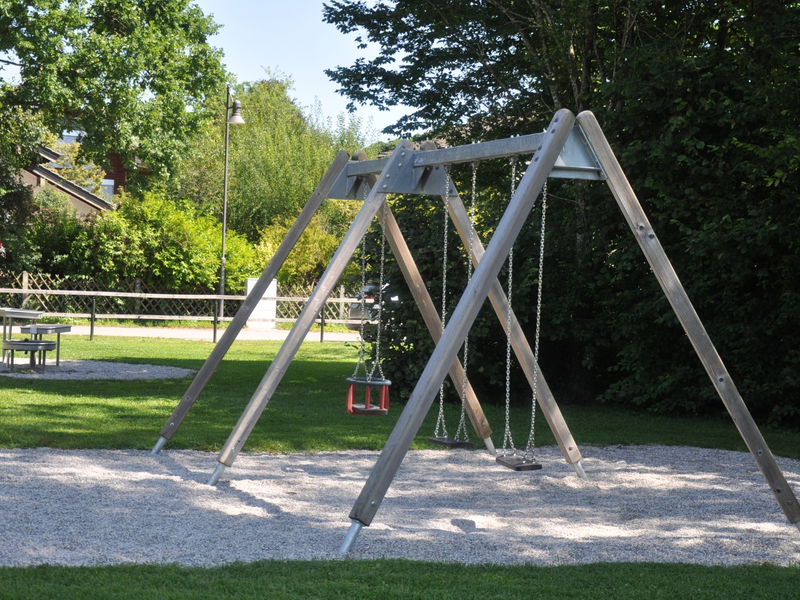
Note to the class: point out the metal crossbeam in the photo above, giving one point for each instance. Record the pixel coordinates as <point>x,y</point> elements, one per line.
<point>423,172</point>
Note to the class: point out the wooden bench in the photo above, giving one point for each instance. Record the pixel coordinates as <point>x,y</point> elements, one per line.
<point>32,346</point>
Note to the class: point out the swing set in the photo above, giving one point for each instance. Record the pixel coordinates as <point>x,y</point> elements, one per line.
<point>571,147</point>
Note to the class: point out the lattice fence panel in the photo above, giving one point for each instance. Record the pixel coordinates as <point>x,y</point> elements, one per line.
<point>9,279</point>
<point>290,309</point>
<point>172,307</point>
<point>38,284</point>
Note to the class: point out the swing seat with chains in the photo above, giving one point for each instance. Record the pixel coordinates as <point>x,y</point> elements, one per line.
<point>369,381</point>
<point>515,459</point>
<point>440,437</point>
<point>367,408</point>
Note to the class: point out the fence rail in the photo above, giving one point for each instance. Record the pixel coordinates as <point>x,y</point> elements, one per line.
<point>335,308</point>
<point>76,297</point>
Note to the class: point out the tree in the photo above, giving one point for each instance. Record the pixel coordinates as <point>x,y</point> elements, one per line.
<point>310,255</point>
<point>275,160</point>
<point>698,101</point>
<point>19,134</point>
<point>475,67</point>
<point>51,233</point>
<point>131,75</point>
<point>162,241</point>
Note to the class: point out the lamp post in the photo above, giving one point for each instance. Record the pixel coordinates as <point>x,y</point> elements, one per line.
<point>230,119</point>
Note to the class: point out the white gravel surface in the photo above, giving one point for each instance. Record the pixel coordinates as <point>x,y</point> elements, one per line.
<point>643,503</point>
<point>94,369</point>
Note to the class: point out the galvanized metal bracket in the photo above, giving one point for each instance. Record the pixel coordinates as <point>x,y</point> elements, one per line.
<point>423,172</point>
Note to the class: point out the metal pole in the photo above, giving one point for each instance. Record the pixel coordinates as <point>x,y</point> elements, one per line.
<point>350,538</point>
<point>224,204</point>
<point>214,312</point>
<point>91,320</point>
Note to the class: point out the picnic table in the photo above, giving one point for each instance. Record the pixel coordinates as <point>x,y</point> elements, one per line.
<point>33,346</point>
<point>36,331</point>
<point>9,314</point>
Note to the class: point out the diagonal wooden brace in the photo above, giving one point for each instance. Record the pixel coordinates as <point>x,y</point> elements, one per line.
<point>306,319</point>
<point>463,317</point>
<point>432,320</point>
<point>246,309</point>
<point>695,331</point>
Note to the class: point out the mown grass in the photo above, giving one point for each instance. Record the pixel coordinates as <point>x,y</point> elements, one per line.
<point>399,579</point>
<point>152,323</point>
<point>307,414</point>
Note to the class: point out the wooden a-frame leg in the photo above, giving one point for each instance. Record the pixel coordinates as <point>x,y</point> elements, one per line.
<point>519,343</point>
<point>305,320</point>
<point>253,298</point>
<point>408,267</point>
<point>463,317</point>
<point>695,331</point>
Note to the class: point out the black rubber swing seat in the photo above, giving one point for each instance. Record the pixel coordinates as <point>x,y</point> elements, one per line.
<point>371,411</point>
<point>448,442</point>
<point>515,462</point>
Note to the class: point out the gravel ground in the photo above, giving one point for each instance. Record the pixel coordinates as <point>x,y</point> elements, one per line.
<point>94,369</point>
<point>643,503</point>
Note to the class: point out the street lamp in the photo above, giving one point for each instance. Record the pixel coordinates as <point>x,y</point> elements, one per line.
<point>230,119</point>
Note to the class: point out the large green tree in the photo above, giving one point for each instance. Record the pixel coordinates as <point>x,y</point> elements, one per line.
<point>276,158</point>
<point>131,75</point>
<point>698,100</point>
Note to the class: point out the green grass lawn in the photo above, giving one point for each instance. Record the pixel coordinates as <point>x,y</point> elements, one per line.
<point>402,580</point>
<point>307,414</point>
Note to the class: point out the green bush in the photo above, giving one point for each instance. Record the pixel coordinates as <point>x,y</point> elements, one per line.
<point>163,242</point>
<point>310,256</point>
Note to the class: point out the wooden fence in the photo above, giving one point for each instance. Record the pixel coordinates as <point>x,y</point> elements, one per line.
<point>83,298</point>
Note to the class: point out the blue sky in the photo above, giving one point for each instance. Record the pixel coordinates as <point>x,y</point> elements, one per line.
<point>289,37</point>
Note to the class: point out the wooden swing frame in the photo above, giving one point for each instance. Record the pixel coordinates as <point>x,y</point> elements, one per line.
<point>571,147</point>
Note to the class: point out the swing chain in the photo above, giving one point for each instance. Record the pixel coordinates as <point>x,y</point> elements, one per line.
<point>363,299</point>
<point>531,447</point>
<point>440,421</point>
<point>508,440</point>
<point>462,424</point>
<point>377,361</point>
<point>368,375</point>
